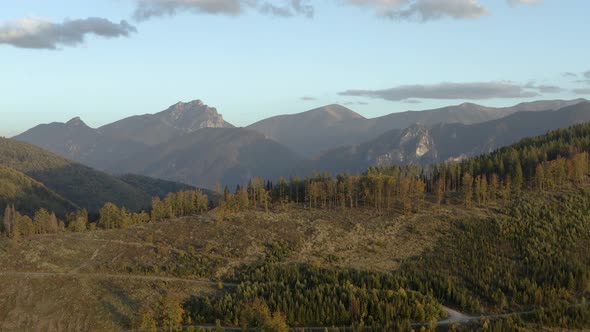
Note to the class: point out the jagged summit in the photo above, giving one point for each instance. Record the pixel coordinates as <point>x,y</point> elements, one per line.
<point>191,116</point>
<point>76,122</point>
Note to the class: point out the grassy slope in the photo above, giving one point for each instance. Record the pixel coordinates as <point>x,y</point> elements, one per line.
<point>201,248</point>
<point>194,248</point>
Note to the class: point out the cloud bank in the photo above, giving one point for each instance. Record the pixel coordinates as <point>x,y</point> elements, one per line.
<point>447,90</point>
<point>36,33</point>
<point>147,9</point>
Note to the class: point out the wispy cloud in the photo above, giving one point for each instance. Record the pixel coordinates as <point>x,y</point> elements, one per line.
<point>447,90</point>
<point>36,33</point>
<point>411,101</point>
<point>544,88</point>
<point>283,8</point>
<point>308,98</point>
<point>420,10</point>
<point>581,91</point>
<point>569,74</point>
<point>357,103</point>
<point>423,10</point>
<point>587,74</point>
<point>524,2</point>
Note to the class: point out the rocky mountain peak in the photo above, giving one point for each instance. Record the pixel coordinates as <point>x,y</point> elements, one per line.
<point>191,116</point>
<point>76,122</point>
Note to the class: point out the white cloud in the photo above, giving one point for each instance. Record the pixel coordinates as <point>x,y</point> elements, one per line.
<point>38,33</point>
<point>447,90</point>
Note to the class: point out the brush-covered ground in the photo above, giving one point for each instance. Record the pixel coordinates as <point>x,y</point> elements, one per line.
<point>362,266</point>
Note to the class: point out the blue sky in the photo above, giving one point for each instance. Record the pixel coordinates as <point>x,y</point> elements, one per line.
<point>252,64</point>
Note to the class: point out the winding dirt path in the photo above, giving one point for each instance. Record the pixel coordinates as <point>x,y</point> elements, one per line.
<point>112,276</point>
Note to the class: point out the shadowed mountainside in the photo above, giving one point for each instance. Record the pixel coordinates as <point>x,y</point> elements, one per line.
<point>28,195</point>
<point>69,184</point>
<point>209,157</point>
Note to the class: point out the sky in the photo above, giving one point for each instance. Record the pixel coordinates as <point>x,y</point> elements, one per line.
<point>104,60</point>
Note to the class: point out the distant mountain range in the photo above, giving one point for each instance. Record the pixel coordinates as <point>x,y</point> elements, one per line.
<point>109,144</point>
<point>324,128</point>
<point>423,145</point>
<point>192,143</point>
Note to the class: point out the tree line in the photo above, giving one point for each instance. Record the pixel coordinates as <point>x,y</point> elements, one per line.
<point>538,163</point>
<point>16,226</point>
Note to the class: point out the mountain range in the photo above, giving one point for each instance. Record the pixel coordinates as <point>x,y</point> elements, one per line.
<point>310,133</point>
<point>423,145</point>
<point>104,146</point>
<point>192,143</point>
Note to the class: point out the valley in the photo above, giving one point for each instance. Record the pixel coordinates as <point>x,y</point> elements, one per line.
<point>394,248</point>
<point>294,166</point>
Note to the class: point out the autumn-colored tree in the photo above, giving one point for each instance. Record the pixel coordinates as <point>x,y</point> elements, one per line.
<point>8,220</point>
<point>467,189</point>
<point>78,222</point>
<point>481,189</point>
<point>113,217</point>
<point>439,191</point>
<point>145,320</point>
<point>171,312</point>
<point>40,221</point>
<point>257,315</point>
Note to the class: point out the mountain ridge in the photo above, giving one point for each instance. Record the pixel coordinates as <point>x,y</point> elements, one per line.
<point>422,144</point>
<point>194,138</point>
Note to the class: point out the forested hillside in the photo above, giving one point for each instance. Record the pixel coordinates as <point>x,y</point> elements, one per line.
<point>82,185</point>
<point>29,195</point>
<point>68,184</point>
